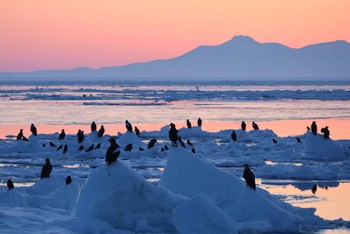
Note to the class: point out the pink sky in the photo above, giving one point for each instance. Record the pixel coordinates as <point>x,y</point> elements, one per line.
<point>65,34</point>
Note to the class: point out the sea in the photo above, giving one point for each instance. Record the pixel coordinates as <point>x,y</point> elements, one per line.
<point>285,107</point>
<point>154,103</point>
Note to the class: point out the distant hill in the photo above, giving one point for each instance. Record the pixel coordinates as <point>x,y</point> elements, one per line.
<point>240,57</point>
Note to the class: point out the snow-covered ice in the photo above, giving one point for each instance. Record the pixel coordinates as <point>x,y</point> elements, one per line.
<point>197,192</point>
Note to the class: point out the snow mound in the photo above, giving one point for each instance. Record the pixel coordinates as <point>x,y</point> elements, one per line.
<point>188,175</point>
<point>67,195</point>
<point>46,186</point>
<point>12,198</point>
<point>34,144</point>
<point>128,138</point>
<point>194,210</point>
<point>123,198</point>
<point>319,148</point>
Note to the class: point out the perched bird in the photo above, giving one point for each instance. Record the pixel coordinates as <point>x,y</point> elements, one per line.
<point>274,141</point>
<point>188,123</point>
<point>46,170</point>
<point>68,180</point>
<point>98,146</point>
<point>81,148</point>
<point>189,143</point>
<point>24,138</point>
<point>173,134</point>
<point>52,144</point>
<point>65,149</point>
<point>326,132</point>
<point>80,136</point>
<point>243,126</point>
<point>181,142</point>
<point>20,135</point>
<point>59,147</point>
<point>199,122</point>
<point>166,147</point>
<point>255,126</point>
<point>308,128</point>
<point>314,188</point>
<point>128,126</point>
<point>314,127</point>
<point>128,147</point>
<point>249,177</point>
<point>234,136</point>
<point>112,156</point>
<point>93,126</point>
<point>193,150</point>
<point>298,140</point>
<point>10,184</point>
<point>101,131</point>
<point>151,143</point>
<point>33,130</point>
<point>90,148</point>
<point>162,149</point>
<point>44,145</point>
<point>137,131</point>
<point>141,149</point>
<point>62,135</point>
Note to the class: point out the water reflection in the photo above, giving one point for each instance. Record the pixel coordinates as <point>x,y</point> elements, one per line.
<point>302,185</point>
<point>331,199</point>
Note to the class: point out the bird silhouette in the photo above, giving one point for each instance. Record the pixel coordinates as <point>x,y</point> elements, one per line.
<point>173,134</point>
<point>33,130</point>
<point>255,126</point>
<point>68,180</point>
<point>90,148</point>
<point>314,127</point>
<point>65,149</point>
<point>234,136</point>
<point>137,131</point>
<point>101,131</point>
<point>46,169</point>
<point>181,142</point>
<point>298,140</point>
<point>188,123</point>
<point>326,132</point>
<point>189,143</point>
<point>199,122</point>
<point>98,146</point>
<point>151,143</point>
<point>243,126</point>
<point>10,184</point>
<point>128,126</point>
<point>128,147</point>
<point>62,135</point>
<point>52,144</point>
<point>81,148</point>
<point>59,147</point>
<point>93,126</point>
<point>111,155</point>
<point>249,177</point>
<point>20,135</point>
<point>274,141</point>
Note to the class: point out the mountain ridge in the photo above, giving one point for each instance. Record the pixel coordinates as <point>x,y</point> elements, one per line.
<point>240,56</point>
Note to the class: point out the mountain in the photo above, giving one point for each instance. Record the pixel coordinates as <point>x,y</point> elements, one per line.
<point>240,57</point>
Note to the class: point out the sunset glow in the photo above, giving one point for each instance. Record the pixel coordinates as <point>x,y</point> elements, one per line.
<point>37,35</point>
